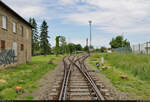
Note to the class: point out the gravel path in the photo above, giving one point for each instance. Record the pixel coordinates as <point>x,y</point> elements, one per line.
<point>47,83</point>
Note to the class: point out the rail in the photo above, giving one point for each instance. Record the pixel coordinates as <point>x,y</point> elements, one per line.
<point>88,77</point>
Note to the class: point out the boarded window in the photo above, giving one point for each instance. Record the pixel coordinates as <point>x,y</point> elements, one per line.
<point>2,44</point>
<point>15,48</point>
<point>4,22</point>
<point>14,27</point>
<point>22,47</point>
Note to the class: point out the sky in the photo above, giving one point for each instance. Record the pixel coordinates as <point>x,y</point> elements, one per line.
<point>69,18</point>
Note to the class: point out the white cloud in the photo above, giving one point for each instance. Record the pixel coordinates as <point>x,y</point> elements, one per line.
<point>130,16</point>
<point>112,16</point>
<point>97,41</point>
<point>28,8</point>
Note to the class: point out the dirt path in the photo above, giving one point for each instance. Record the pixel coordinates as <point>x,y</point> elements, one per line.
<point>47,83</point>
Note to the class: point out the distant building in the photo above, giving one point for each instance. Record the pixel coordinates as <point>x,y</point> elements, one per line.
<point>15,34</point>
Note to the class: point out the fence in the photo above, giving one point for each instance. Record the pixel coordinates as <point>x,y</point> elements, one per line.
<point>139,48</point>
<point>123,50</point>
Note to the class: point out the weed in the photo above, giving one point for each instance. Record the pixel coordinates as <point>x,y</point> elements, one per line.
<point>25,76</point>
<point>135,66</point>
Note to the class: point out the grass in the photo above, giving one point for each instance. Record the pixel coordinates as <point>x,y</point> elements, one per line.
<point>136,67</point>
<point>25,76</point>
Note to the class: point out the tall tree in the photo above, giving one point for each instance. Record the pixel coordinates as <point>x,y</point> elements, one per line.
<point>86,48</point>
<point>57,48</point>
<point>63,42</point>
<point>71,48</point>
<point>119,42</point>
<point>35,36</point>
<point>44,43</point>
<point>102,49</point>
<point>78,47</point>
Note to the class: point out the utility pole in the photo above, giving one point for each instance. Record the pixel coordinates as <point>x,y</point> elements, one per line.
<point>90,23</point>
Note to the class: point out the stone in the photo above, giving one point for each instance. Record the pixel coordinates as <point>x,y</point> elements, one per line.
<point>124,76</point>
<point>18,88</point>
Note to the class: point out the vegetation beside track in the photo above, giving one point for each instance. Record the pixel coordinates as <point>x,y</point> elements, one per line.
<point>136,67</point>
<point>25,76</point>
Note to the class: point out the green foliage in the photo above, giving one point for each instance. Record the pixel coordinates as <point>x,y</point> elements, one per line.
<point>35,36</point>
<point>136,67</point>
<point>119,42</point>
<point>103,49</point>
<point>86,48</point>
<point>25,76</point>
<point>63,44</point>
<point>29,97</point>
<point>44,43</point>
<point>91,47</point>
<point>71,48</point>
<point>78,47</point>
<point>57,45</point>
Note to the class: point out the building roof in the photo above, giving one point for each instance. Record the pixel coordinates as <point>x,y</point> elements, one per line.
<point>16,14</point>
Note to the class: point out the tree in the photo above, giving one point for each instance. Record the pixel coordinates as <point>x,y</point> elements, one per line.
<point>91,47</point>
<point>86,48</point>
<point>35,36</point>
<point>119,42</point>
<point>71,48</point>
<point>62,44</point>
<point>44,43</point>
<point>57,45</point>
<point>78,47</point>
<point>102,49</point>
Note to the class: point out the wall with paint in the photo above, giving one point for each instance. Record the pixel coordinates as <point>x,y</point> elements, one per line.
<point>14,41</point>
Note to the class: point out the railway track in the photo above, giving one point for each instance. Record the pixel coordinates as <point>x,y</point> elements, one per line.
<point>76,83</point>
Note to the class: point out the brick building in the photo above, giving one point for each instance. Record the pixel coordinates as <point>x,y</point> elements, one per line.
<point>15,33</point>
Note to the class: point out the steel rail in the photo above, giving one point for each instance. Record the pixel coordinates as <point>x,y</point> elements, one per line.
<point>63,93</point>
<point>88,77</point>
<point>63,84</point>
<point>96,88</point>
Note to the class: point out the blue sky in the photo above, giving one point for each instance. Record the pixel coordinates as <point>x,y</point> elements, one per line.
<point>69,18</point>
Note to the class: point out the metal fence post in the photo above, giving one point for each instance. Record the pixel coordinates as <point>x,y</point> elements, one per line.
<point>133,49</point>
<point>147,47</point>
<point>139,49</point>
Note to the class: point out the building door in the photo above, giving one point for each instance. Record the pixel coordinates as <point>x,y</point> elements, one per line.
<point>15,48</point>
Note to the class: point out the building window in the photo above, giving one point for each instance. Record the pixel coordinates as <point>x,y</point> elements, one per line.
<point>15,48</point>
<point>22,30</point>
<point>4,22</point>
<point>14,27</point>
<point>22,47</point>
<point>2,44</point>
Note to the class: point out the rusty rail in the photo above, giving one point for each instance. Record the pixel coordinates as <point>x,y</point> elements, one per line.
<point>63,93</point>
<point>84,71</point>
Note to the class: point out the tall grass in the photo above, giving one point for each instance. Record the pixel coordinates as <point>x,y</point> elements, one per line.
<point>135,64</point>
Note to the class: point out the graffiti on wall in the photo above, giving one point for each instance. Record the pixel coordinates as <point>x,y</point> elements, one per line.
<point>7,57</point>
